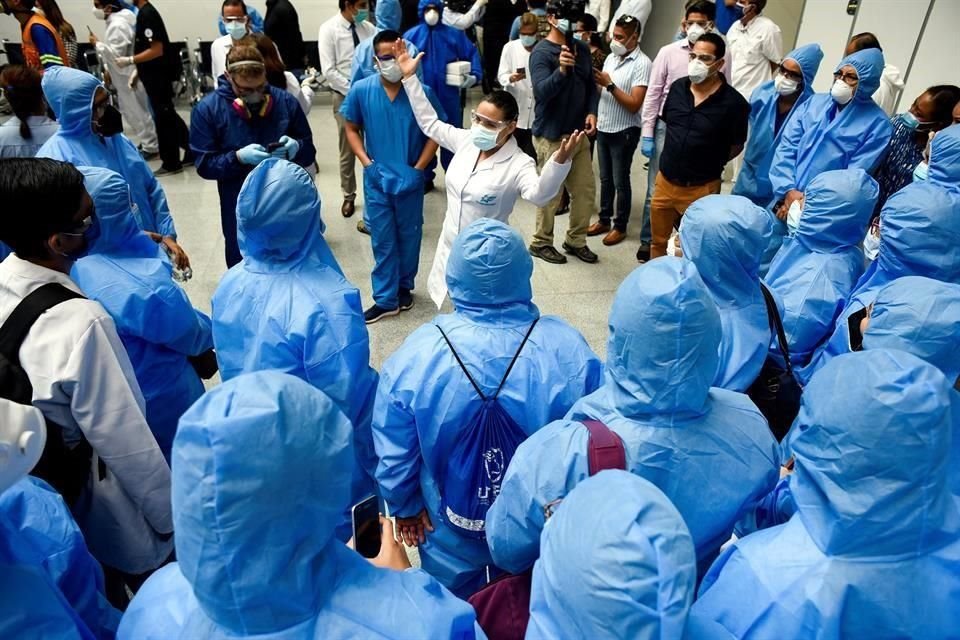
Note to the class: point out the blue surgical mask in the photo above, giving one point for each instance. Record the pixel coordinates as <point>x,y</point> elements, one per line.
<point>920,172</point>
<point>236,30</point>
<point>528,41</point>
<point>563,25</point>
<point>483,138</point>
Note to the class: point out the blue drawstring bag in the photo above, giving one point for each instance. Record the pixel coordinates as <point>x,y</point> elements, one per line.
<point>478,462</point>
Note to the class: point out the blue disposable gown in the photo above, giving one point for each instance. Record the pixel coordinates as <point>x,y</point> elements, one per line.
<point>261,476</point>
<point>217,131</point>
<point>724,237</point>
<point>388,14</point>
<point>944,169</point>
<point>70,94</point>
<point>815,271</point>
<point>48,538</point>
<point>442,45</point>
<point>425,401</point>
<point>874,550</point>
<point>287,306</point>
<point>131,276</point>
<point>630,574</point>
<point>753,181</point>
<point>919,236</point>
<point>709,450</point>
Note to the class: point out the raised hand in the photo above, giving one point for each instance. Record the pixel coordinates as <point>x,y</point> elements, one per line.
<point>567,146</point>
<point>408,64</point>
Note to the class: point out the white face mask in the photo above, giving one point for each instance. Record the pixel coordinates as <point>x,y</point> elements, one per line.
<point>390,70</point>
<point>871,242</point>
<point>793,217</point>
<point>432,17</point>
<point>99,14</point>
<point>785,86</point>
<point>698,70</point>
<point>618,48</point>
<point>673,246</point>
<point>23,434</point>
<point>694,31</point>
<point>841,92</point>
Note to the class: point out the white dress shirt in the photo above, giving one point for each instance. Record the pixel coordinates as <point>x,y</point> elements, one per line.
<point>753,47</point>
<point>515,56</point>
<point>600,9</point>
<point>487,188</point>
<point>82,380</point>
<point>639,9</point>
<point>219,49</point>
<point>335,42</point>
<point>464,21</point>
<point>632,70</point>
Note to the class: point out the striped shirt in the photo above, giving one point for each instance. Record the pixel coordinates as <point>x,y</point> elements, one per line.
<point>632,70</point>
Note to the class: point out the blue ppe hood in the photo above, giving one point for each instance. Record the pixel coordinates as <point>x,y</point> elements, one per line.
<point>70,93</point>
<point>837,207</point>
<point>945,159</point>
<point>808,56</point>
<point>869,64</point>
<point>437,4</point>
<point>119,233</point>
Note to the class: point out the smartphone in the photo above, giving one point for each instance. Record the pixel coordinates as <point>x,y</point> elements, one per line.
<point>273,146</point>
<point>521,70</point>
<point>366,527</point>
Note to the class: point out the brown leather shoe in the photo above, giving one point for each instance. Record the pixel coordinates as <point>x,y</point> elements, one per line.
<point>597,228</point>
<point>347,209</point>
<point>614,237</point>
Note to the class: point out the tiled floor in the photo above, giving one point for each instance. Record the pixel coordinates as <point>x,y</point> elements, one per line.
<point>578,292</point>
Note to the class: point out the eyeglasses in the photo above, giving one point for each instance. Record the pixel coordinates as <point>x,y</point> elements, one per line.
<point>702,57</point>
<point>235,20</point>
<point>849,78</point>
<point>85,225</point>
<point>700,23</point>
<point>386,58</point>
<point>789,74</point>
<point>490,123</point>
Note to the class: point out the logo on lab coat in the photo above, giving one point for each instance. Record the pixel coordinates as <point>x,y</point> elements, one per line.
<point>490,199</point>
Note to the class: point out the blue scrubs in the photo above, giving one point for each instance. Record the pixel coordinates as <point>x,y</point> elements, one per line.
<point>874,550</point>
<point>724,237</point>
<point>287,307</point>
<point>424,400</point>
<point>815,271</point>
<point>753,180</point>
<point>709,450</point>
<point>70,94</point>
<point>630,573</point>
<point>131,276</point>
<point>261,476</point>
<point>392,187</point>
<point>442,45</point>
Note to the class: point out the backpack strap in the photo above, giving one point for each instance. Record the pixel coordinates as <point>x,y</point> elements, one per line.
<point>773,317</point>
<point>463,367</point>
<point>515,356</point>
<point>604,448</point>
<point>14,331</point>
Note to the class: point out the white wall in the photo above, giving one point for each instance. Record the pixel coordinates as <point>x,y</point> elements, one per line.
<point>185,19</point>
<point>826,22</point>
<point>935,61</point>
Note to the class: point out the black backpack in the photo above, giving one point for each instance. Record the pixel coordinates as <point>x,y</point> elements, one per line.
<point>64,468</point>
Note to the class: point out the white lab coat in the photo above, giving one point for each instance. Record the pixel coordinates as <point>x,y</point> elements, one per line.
<point>891,85</point>
<point>515,56</point>
<point>485,189</point>
<point>83,380</point>
<point>133,103</point>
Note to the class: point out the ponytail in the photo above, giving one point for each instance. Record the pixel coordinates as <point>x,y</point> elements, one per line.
<point>21,85</point>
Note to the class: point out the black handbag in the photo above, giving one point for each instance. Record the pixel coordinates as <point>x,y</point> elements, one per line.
<point>776,391</point>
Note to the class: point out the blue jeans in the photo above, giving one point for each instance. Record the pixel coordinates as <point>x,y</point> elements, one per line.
<point>615,154</point>
<point>658,137</point>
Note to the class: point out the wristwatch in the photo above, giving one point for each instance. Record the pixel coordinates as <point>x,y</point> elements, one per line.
<point>611,87</point>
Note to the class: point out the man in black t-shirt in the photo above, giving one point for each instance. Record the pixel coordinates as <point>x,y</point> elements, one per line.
<point>156,64</point>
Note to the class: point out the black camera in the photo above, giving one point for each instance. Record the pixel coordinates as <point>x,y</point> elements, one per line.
<point>571,10</point>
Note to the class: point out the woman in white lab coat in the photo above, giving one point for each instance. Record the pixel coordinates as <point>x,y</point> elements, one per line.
<point>131,96</point>
<point>488,172</point>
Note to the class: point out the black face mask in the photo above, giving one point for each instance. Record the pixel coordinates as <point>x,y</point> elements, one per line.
<point>110,122</point>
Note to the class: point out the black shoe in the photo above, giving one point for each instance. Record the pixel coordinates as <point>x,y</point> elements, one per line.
<point>167,171</point>
<point>563,210</point>
<point>375,313</point>
<point>583,253</point>
<point>548,254</point>
<point>428,186</point>
<point>406,299</point>
<point>189,158</point>
<point>148,155</point>
<point>643,253</point>
<point>362,228</point>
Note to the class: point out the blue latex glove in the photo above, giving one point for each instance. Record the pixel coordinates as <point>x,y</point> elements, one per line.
<point>646,147</point>
<point>289,150</point>
<point>252,154</point>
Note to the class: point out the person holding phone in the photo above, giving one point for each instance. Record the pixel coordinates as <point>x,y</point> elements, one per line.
<point>231,128</point>
<point>257,551</point>
<point>513,76</point>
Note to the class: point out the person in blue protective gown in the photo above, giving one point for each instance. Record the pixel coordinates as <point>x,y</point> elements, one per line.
<point>874,548</point>
<point>44,589</point>
<point>287,306</point>
<point>943,168</point>
<point>442,45</point>
<point>772,105</point>
<point>814,272</point>
<point>231,128</point>
<point>841,129</point>
<point>708,449</point>
<point>91,135</point>
<point>631,573</point>
<point>724,236</point>
<point>919,236</point>
<point>425,401</point>
<point>261,476</point>
<point>161,330</point>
